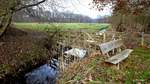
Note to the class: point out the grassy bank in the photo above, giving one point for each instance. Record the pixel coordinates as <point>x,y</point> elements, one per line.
<point>93,70</point>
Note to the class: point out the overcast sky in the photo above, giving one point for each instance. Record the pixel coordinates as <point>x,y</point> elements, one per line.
<point>83,7</point>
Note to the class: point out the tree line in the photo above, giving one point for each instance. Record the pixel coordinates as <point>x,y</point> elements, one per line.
<point>48,16</point>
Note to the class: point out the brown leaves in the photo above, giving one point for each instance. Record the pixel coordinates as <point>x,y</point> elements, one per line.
<point>124,6</point>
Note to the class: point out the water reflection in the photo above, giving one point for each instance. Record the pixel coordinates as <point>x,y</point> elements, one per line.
<point>46,74</point>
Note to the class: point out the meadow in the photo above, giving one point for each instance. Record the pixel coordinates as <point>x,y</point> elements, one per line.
<point>73,26</point>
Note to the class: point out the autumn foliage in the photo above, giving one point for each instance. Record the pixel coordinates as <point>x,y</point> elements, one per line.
<point>124,6</point>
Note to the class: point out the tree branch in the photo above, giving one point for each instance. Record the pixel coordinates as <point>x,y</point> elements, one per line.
<point>31,5</point>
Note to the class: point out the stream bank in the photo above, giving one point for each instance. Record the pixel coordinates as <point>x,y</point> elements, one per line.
<point>20,52</point>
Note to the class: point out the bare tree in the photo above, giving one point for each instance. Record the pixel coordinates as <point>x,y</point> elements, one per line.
<point>9,7</point>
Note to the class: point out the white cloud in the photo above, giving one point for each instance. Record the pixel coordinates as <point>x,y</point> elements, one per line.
<point>83,7</point>
<point>78,7</point>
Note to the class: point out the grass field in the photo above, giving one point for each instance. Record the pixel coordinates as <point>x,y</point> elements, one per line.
<point>46,26</point>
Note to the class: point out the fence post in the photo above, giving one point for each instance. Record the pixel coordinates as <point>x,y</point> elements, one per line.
<point>142,39</point>
<point>104,37</point>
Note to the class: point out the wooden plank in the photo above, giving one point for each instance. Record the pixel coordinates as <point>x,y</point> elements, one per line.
<point>89,36</point>
<point>108,46</point>
<point>119,57</point>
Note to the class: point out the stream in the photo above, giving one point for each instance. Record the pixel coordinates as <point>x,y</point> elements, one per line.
<point>45,74</point>
<point>49,73</point>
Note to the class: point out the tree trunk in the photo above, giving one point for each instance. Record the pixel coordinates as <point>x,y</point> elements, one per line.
<point>5,23</point>
<point>120,27</point>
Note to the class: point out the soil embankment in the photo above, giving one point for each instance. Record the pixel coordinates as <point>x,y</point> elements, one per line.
<point>21,51</point>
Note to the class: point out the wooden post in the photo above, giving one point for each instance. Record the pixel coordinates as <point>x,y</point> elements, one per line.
<point>104,37</point>
<point>118,66</point>
<point>142,39</point>
<point>85,42</point>
<point>119,50</point>
<point>113,37</point>
<point>62,60</point>
<point>107,54</point>
<point>69,43</point>
<point>113,51</point>
<point>80,38</point>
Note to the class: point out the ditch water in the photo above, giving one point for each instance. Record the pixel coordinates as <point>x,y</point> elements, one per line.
<point>45,74</point>
<point>49,73</point>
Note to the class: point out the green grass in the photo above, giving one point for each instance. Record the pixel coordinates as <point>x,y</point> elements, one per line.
<point>46,26</point>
